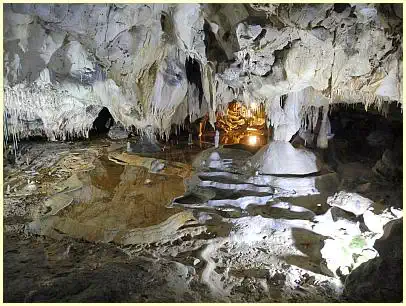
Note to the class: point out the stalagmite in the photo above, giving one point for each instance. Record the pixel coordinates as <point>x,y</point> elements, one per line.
<point>216,139</point>
<point>322,140</point>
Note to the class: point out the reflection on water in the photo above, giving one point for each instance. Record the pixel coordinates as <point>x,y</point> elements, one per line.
<point>121,197</point>
<point>252,137</point>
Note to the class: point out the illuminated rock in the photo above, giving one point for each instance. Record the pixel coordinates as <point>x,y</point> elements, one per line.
<point>351,202</point>
<point>376,221</point>
<point>380,279</point>
<point>280,157</point>
<point>63,60</point>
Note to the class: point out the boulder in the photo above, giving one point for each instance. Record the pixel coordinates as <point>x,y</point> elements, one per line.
<point>380,138</point>
<point>351,202</point>
<point>375,220</point>
<point>380,279</point>
<point>117,132</point>
<point>376,280</point>
<point>390,245</point>
<point>157,166</point>
<point>390,165</point>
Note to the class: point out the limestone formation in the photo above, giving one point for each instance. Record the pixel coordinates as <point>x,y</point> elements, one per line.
<point>280,157</point>
<point>64,63</point>
<point>202,152</point>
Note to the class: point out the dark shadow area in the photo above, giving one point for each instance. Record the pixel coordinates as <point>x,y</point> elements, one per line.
<point>267,211</point>
<point>310,202</point>
<point>194,76</point>
<point>213,49</point>
<point>179,134</point>
<point>310,244</point>
<point>218,227</point>
<point>101,124</point>
<point>367,149</point>
<point>230,194</point>
<point>190,199</point>
<point>304,262</point>
<point>364,135</point>
<point>38,138</point>
<point>341,7</point>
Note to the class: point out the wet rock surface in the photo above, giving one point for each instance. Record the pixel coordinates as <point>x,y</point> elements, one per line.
<point>144,144</point>
<point>104,225</point>
<point>44,270</point>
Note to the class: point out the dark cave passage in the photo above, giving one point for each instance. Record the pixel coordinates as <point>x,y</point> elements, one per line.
<point>367,134</point>
<point>194,76</point>
<point>102,124</point>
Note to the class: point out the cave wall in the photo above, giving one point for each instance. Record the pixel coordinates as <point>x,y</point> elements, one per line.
<point>64,62</point>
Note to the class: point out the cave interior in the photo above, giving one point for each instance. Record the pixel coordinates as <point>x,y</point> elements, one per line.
<point>203,152</point>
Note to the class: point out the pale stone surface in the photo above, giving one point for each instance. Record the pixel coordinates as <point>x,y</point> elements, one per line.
<point>376,221</point>
<point>63,63</point>
<point>280,157</point>
<point>351,202</point>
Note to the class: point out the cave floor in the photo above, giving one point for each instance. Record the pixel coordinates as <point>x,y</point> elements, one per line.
<point>87,222</point>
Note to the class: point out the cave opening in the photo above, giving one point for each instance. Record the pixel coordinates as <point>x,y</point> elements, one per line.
<point>359,137</point>
<point>102,124</point>
<point>366,134</point>
<point>193,75</point>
